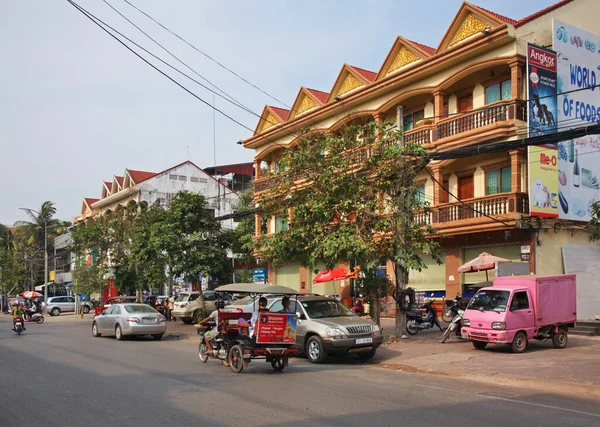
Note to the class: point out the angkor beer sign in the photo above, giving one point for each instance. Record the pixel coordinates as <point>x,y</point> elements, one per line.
<point>541,91</point>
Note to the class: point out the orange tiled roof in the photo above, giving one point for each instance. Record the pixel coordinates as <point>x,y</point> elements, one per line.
<point>108,185</point>
<point>369,75</point>
<point>502,18</point>
<point>120,180</point>
<point>282,113</point>
<point>542,12</point>
<point>428,49</point>
<point>140,176</point>
<point>90,201</point>
<point>321,96</point>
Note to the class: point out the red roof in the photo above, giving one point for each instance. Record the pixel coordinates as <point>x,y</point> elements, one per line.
<point>281,113</point>
<point>368,75</point>
<point>90,201</point>
<point>108,185</point>
<point>427,49</point>
<point>120,180</point>
<point>321,96</point>
<point>140,176</point>
<point>498,16</point>
<point>541,12</point>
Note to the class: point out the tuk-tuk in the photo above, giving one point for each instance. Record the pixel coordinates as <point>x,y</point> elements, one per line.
<point>274,333</point>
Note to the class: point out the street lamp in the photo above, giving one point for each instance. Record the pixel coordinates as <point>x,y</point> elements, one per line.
<point>45,256</point>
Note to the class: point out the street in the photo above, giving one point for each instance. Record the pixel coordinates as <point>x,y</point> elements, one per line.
<point>58,374</point>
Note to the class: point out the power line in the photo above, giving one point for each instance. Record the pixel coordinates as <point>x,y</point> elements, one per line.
<point>206,55</point>
<point>96,21</point>
<point>239,104</point>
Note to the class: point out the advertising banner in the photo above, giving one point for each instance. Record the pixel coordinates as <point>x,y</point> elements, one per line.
<point>543,181</point>
<point>276,328</point>
<point>541,91</point>
<point>578,64</point>
<point>578,177</point>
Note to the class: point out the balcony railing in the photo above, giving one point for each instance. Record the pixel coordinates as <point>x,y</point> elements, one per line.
<point>481,207</point>
<point>480,119</point>
<point>419,136</point>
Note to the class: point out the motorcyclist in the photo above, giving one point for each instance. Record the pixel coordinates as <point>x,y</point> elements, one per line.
<point>32,310</point>
<point>210,335</point>
<point>17,312</point>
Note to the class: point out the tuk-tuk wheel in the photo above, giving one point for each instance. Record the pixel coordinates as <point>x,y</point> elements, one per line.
<point>236,359</point>
<point>278,364</point>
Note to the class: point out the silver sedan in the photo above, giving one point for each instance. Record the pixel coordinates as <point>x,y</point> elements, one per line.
<point>123,320</point>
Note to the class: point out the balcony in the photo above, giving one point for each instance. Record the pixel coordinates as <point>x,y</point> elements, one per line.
<point>457,217</point>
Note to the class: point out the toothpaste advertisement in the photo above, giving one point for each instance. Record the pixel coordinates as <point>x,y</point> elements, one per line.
<point>541,90</point>
<point>578,66</point>
<point>543,185</point>
<point>578,177</point>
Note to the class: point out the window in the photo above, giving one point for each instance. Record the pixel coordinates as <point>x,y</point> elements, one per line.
<point>498,92</point>
<point>173,177</point>
<point>210,296</point>
<point>421,193</point>
<point>193,179</point>
<point>281,224</point>
<point>444,195</point>
<point>498,181</point>
<point>182,178</point>
<point>116,310</point>
<point>519,301</point>
<point>194,297</point>
<point>411,119</point>
<point>278,306</point>
<point>264,226</point>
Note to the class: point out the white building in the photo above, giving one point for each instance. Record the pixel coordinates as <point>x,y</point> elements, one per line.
<point>159,188</point>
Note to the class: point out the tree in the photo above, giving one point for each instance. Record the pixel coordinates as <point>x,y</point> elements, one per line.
<point>350,196</point>
<point>192,240</point>
<point>595,222</point>
<point>242,237</point>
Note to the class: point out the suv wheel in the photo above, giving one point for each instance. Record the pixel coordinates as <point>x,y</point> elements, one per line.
<point>315,350</point>
<point>55,311</point>
<point>86,309</point>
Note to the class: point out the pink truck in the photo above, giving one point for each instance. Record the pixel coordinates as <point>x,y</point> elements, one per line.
<point>520,308</point>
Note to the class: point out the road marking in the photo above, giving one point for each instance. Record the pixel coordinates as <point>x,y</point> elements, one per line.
<point>539,405</point>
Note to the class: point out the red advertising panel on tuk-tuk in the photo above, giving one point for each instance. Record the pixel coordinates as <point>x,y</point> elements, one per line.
<point>276,328</point>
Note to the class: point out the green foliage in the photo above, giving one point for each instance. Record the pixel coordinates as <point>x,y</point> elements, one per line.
<point>350,196</point>
<point>595,222</point>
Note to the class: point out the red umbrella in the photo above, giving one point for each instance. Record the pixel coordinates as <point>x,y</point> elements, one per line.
<point>330,275</point>
<point>30,294</point>
<point>483,262</point>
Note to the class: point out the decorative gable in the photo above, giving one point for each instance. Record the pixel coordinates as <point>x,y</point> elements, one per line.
<point>470,21</point>
<point>306,100</point>
<point>403,52</point>
<point>270,117</point>
<point>349,79</point>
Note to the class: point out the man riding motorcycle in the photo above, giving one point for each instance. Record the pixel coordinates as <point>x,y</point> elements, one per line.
<point>17,313</point>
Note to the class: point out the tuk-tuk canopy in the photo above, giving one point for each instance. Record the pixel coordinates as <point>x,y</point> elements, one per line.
<point>256,288</point>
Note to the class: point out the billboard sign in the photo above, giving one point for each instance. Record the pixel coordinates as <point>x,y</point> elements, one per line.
<point>543,181</point>
<point>541,91</point>
<point>578,177</point>
<point>578,55</point>
<point>276,328</point>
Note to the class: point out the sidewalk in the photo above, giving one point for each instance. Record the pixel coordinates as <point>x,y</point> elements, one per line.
<point>575,369</point>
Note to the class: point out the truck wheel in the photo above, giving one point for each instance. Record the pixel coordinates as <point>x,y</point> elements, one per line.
<point>479,345</point>
<point>315,350</point>
<point>519,344</point>
<point>560,339</point>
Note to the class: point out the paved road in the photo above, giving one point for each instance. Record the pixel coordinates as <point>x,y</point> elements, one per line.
<point>68,378</point>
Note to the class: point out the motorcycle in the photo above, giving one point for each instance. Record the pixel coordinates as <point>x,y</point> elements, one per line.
<point>358,308</point>
<point>18,325</point>
<point>218,346</point>
<point>36,317</point>
<point>415,321</point>
<point>455,325</point>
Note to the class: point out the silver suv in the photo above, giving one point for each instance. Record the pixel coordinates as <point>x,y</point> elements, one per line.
<point>187,306</point>
<point>65,304</point>
<point>326,326</point>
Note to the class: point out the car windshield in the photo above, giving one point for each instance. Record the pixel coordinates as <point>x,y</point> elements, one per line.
<point>141,308</point>
<point>182,297</point>
<point>325,308</point>
<point>242,301</point>
<point>489,300</point>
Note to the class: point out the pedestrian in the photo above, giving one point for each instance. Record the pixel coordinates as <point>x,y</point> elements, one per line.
<point>165,305</point>
<point>171,302</point>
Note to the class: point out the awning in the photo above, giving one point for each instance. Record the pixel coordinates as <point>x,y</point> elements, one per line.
<point>41,287</point>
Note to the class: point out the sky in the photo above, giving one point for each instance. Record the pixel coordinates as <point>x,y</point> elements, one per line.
<point>76,107</point>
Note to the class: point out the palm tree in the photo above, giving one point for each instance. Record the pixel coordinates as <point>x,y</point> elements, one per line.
<point>38,221</point>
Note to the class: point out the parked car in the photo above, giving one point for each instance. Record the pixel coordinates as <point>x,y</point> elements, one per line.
<point>57,305</point>
<point>247,304</point>
<point>123,320</point>
<point>187,305</point>
<point>327,327</point>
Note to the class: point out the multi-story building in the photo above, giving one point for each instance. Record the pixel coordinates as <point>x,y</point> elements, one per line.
<point>158,188</point>
<point>467,91</point>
